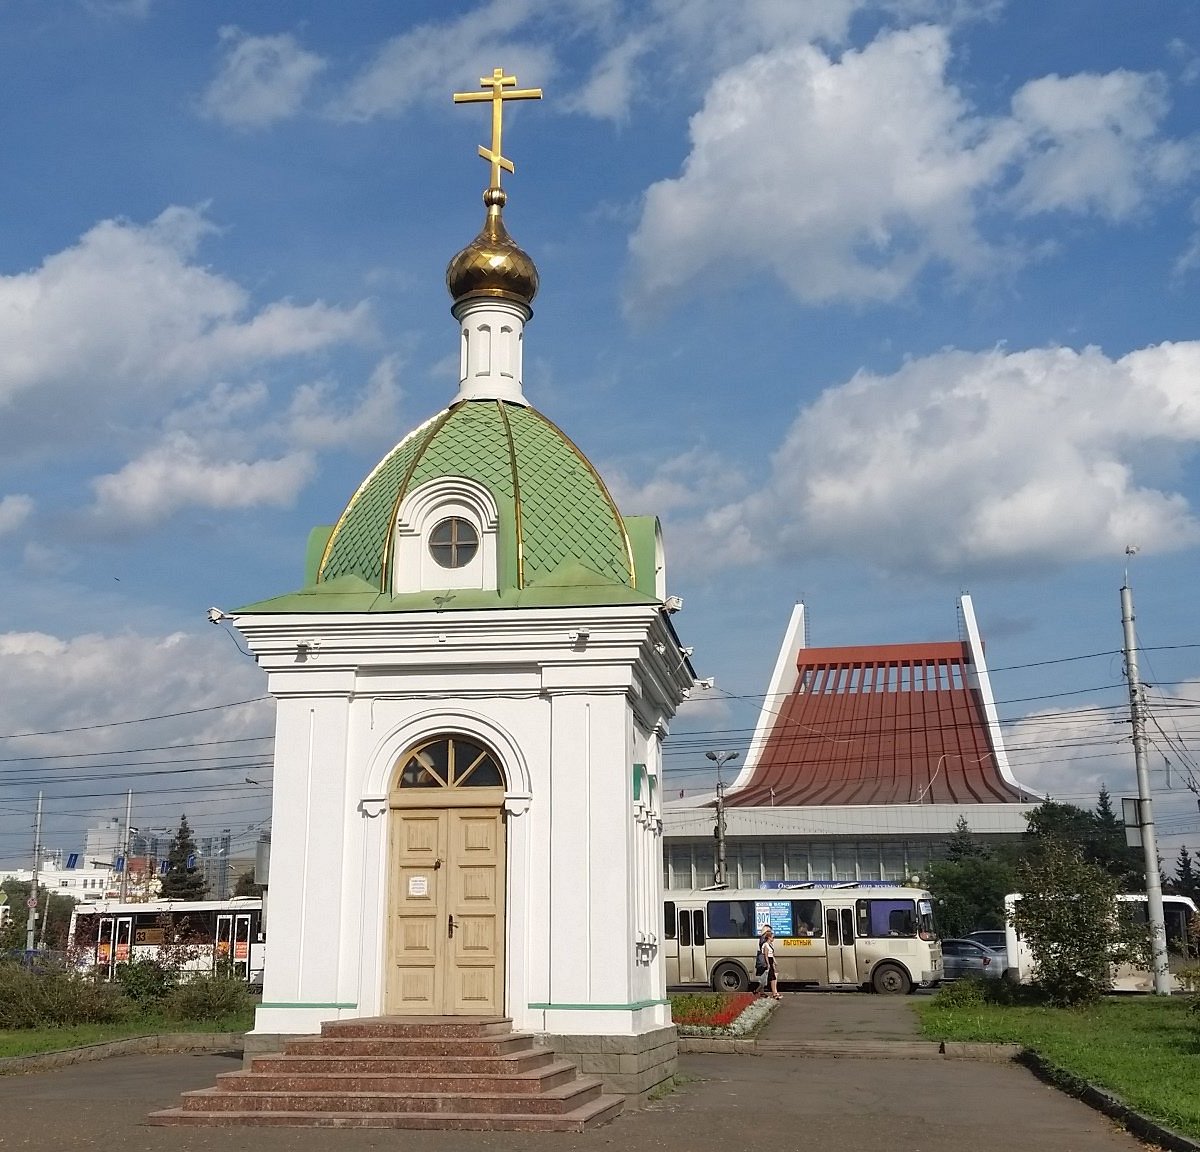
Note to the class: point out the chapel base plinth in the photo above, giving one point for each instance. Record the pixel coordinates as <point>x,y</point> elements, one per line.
<point>632,1067</point>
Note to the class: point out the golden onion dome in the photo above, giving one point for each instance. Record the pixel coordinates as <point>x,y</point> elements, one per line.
<point>492,264</point>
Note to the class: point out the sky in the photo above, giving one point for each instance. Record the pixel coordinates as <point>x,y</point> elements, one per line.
<point>872,303</point>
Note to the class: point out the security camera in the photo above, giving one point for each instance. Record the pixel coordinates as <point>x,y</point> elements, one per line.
<point>673,604</point>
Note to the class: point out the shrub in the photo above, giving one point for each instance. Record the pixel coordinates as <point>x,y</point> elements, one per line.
<point>31,998</point>
<point>964,993</point>
<point>147,982</point>
<point>206,997</point>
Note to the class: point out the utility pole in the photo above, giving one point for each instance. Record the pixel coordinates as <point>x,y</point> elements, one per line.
<point>1154,902</point>
<point>32,903</point>
<point>720,758</point>
<point>125,849</point>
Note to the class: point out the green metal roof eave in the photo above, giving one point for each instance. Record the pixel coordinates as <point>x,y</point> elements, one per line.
<point>318,599</point>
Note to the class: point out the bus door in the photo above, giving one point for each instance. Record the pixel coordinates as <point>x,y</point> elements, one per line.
<point>104,945</point>
<point>223,952</point>
<point>123,940</point>
<point>840,958</point>
<point>693,961</point>
<point>241,945</point>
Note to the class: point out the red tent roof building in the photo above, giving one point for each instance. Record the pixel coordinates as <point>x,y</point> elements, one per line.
<point>880,724</point>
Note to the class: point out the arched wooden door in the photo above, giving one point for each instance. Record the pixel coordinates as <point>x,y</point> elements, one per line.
<point>446,881</point>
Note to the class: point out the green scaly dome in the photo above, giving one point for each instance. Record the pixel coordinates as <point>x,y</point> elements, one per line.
<point>554,508</point>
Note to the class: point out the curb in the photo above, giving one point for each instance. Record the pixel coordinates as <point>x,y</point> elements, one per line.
<point>132,1045</point>
<point>853,1049</point>
<point>1141,1126</point>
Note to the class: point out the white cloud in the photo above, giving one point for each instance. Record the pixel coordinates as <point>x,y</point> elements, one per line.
<point>127,320</point>
<point>1094,144</point>
<point>418,65</point>
<point>1071,754</point>
<point>315,420</point>
<point>53,682</point>
<point>845,177</point>
<point>263,79</point>
<point>964,461</point>
<point>14,511</point>
<point>180,473</point>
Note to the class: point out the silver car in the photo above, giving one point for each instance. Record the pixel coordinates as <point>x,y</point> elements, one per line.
<point>993,938</point>
<point>970,958</point>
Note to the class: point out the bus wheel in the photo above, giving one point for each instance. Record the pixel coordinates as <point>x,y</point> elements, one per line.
<point>891,980</point>
<point>730,978</point>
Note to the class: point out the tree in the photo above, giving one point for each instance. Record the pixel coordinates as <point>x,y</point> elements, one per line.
<point>1186,881</point>
<point>964,844</point>
<point>1070,918</point>
<point>969,884</point>
<point>1099,835</point>
<point>183,880</point>
<point>969,893</point>
<point>1106,816</point>
<point>13,934</point>
<point>246,885</point>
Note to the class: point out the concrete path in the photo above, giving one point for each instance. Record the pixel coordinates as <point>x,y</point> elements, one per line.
<point>849,1016</point>
<point>729,1103</point>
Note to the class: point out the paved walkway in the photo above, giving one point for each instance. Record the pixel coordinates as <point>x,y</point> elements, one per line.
<point>727,1104</point>
<point>850,1016</point>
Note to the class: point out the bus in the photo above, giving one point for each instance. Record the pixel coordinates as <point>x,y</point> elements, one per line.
<point>206,934</point>
<point>1178,913</point>
<point>875,937</point>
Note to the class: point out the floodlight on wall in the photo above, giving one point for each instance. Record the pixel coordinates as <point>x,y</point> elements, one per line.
<point>216,615</point>
<point>707,682</point>
<point>673,604</point>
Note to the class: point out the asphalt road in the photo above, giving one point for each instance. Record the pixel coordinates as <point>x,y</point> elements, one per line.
<point>727,1103</point>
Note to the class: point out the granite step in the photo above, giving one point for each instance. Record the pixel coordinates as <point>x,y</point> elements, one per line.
<point>586,1116</point>
<point>322,1062</point>
<point>403,1063</point>
<point>402,1027</point>
<point>553,1102</point>
<point>499,1045</point>
<point>444,1078</point>
<point>401,1051</point>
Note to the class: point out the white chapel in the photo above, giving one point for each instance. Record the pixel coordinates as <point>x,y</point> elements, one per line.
<point>473,688</point>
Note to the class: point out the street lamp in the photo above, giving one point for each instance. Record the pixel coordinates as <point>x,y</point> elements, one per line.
<point>720,758</point>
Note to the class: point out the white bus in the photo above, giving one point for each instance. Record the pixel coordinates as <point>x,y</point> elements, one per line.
<point>1181,950</point>
<point>874,937</point>
<point>208,933</point>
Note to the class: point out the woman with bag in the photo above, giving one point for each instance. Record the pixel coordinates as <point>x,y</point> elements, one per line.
<point>766,957</point>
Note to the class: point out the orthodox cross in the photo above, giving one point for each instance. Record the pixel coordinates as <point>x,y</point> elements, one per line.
<point>502,88</point>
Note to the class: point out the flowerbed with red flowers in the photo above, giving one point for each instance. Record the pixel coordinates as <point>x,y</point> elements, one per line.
<point>717,1013</point>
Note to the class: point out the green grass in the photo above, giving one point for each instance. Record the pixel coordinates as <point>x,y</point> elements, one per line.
<point>28,1041</point>
<point>1145,1050</point>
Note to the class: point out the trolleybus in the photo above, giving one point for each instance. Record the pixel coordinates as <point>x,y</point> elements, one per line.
<point>205,934</point>
<point>879,938</point>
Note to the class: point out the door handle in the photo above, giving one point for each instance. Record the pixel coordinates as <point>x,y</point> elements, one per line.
<point>450,926</point>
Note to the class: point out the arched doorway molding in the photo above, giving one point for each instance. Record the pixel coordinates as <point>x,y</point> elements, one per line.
<point>518,791</point>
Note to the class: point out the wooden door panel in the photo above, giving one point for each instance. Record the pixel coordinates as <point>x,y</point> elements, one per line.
<point>476,901</point>
<point>416,948</point>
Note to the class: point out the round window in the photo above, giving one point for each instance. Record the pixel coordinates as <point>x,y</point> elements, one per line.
<point>454,542</point>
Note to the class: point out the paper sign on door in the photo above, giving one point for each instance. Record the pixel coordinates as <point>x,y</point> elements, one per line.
<point>418,885</point>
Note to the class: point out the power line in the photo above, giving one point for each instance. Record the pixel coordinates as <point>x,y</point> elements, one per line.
<point>138,720</point>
